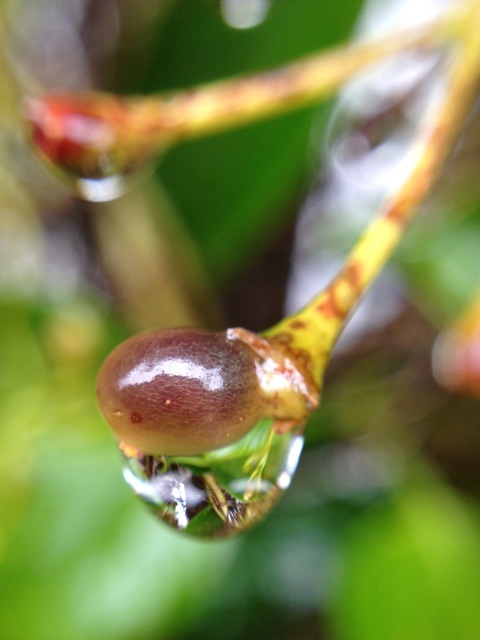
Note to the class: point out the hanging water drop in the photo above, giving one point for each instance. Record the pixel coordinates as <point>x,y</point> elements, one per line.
<point>244,14</point>
<point>100,189</point>
<point>219,493</point>
<point>78,136</point>
<point>210,424</point>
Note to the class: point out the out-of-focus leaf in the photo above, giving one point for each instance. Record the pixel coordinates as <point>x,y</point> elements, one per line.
<point>235,189</point>
<point>88,561</point>
<point>440,259</point>
<point>22,396</point>
<point>79,557</point>
<point>412,570</point>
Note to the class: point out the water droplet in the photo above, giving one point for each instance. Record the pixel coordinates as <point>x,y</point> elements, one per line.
<point>244,14</point>
<point>220,493</point>
<point>100,190</point>
<point>78,136</point>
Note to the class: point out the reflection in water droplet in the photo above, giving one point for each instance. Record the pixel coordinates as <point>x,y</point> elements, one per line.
<point>220,493</point>
<point>101,189</point>
<point>78,135</point>
<point>244,14</point>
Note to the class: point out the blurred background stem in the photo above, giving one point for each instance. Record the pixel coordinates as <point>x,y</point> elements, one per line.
<point>128,131</point>
<point>152,264</point>
<point>315,329</point>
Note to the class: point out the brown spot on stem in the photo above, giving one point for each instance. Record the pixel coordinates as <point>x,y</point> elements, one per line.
<point>328,307</point>
<point>302,358</point>
<point>404,205</point>
<point>283,339</point>
<point>298,324</point>
<point>351,277</point>
<point>399,209</point>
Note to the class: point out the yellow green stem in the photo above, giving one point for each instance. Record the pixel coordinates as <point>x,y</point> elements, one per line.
<point>311,334</point>
<point>231,103</point>
<point>130,130</point>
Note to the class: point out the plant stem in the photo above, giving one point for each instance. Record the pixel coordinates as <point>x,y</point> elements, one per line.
<point>130,130</point>
<point>310,335</point>
<point>230,103</point>
<point>155,284</point>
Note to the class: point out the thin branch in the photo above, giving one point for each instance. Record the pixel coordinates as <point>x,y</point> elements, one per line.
<point>311,334</point>
<point>128,130</point>
<point>231,103</point>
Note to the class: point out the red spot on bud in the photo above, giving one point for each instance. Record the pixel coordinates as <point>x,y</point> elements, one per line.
<point>77,133</point>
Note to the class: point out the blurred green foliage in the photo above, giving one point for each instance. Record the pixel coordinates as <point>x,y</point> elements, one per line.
<point>379,536</point>
<point>235,194</point>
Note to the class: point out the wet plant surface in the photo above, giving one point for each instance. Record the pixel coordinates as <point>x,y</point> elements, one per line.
<point>373,531</point>
<point>220,494</point>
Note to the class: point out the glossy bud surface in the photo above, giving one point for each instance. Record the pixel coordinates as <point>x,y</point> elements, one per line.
<point>180,391</point>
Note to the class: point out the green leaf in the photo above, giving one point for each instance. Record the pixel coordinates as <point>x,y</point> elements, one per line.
<point>89,561</point>
<point>441,262</point>
<point>236,190</point>
<point>412,571</point>
<point>80,557</point>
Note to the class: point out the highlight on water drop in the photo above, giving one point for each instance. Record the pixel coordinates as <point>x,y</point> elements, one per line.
<point>244,14</point>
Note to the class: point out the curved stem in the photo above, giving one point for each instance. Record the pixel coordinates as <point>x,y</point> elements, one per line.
<point>230,103</point>
<point>311,334</point>
<point>129,130</point>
